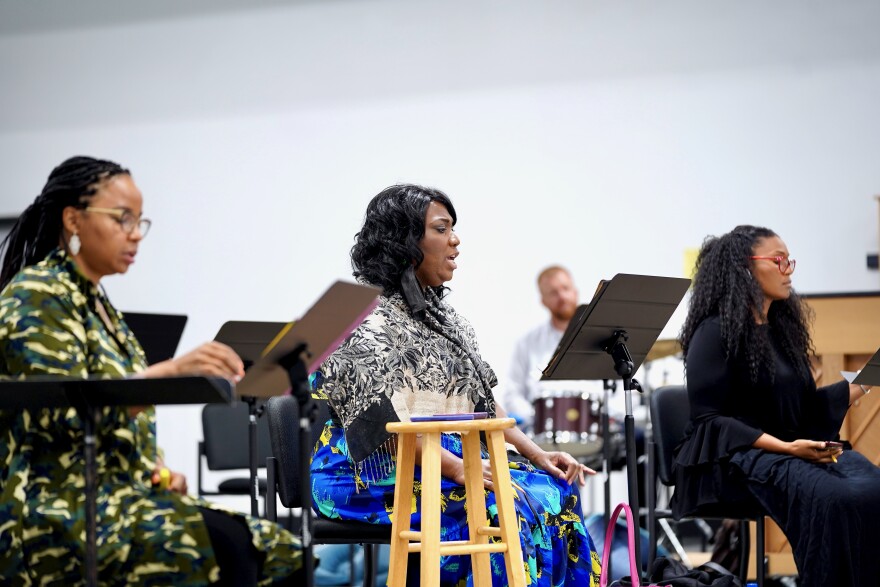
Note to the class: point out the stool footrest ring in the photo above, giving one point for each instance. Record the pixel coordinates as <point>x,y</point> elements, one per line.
<point>459,547</point>
<point>453,550</point>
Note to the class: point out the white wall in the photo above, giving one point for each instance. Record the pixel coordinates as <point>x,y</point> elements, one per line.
<point>606,138</point>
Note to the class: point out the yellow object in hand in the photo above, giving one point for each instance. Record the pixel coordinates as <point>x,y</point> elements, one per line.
<point>164,478</point>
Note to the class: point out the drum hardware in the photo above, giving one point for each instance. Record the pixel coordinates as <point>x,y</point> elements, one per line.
<point>568,421</point>
<point>664,347</point>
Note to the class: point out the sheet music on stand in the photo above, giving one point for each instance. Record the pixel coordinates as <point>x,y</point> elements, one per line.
<point>643,303</point>
<point>249,339</point>
<point>868,375</point>
<point>158,334</point>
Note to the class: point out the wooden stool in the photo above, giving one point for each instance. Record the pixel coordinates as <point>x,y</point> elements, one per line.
<point>427,542</point>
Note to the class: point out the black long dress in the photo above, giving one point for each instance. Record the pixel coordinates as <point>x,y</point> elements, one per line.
<point>829,512</point>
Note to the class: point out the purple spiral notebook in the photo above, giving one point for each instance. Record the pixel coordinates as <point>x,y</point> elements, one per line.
<point>442,417</point>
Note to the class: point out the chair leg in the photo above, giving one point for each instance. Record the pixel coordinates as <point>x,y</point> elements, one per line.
<point>369,572</point>
<point>744,551</point>
<point>759,551</point>
<point>507,517</point>
<point>651,496</point>
<point>475,497</point>
<point>674,541</point>
<point>270,505</point>
<point>402,513</point>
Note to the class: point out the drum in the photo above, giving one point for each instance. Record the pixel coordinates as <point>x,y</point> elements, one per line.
<point>569,421</point>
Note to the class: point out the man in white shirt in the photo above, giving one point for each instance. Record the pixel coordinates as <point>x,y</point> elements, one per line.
<point>534,350</point>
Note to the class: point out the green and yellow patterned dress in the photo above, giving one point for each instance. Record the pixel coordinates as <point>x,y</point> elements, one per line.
<point>49,325</point>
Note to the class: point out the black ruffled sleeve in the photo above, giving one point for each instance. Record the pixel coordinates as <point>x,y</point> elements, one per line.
<point>715,432</point>
<point>714,398</point>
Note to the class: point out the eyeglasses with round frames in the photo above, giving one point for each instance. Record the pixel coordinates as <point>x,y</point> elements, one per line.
<point>125,218</point>
<point>783,263</point>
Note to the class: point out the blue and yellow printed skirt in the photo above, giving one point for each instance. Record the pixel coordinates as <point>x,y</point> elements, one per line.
<point>557,549</point>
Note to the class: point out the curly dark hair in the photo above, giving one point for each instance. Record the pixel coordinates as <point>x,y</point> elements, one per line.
<point>38,230</point>
<point>725,287</point>
<point>388,242</point>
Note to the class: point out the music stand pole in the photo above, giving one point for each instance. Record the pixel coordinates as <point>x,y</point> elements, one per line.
<point>625,367</point>
<point>89,415</point>
<point>253,413</point>
<point>608,386</point>
<point>248,339</point>
<point>300,389</point>
<point>89,419</point>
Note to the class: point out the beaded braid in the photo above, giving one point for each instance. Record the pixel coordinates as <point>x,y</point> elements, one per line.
<point>724,286</point>
<point>38,230</point>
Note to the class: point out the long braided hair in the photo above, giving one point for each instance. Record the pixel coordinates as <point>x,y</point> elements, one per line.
<point>724,286</point>
<point>39,229</point>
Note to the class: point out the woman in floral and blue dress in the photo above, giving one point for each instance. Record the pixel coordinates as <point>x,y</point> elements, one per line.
<point>415,355</point>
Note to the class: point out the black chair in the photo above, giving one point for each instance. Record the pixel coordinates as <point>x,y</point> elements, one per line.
<point>225,447</point>
<point>282,413</point>
<point>670,414</point>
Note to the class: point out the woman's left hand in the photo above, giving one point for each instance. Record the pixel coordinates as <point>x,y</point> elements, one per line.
<point>563,466</point>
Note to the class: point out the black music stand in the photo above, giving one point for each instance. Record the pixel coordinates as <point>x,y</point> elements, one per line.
<point>158,334</point>
<point>299,349</point>
<point>870,373</point>
<point>88,396</point>
<point>248,339</point>
<point>624,320</point>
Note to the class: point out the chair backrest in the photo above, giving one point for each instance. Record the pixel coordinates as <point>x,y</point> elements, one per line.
<point>225,430</point>
<point>282,414</point>
<point>670,414</point>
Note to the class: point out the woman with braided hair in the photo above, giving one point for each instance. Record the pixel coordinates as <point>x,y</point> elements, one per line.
<point>762,437</point>
<point>415,355</point>
<point>55,319</point>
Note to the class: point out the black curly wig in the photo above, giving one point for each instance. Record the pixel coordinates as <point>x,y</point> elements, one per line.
<point>388,242</point>
<point>724,286</point>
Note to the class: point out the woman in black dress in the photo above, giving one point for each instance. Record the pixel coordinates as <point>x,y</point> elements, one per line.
<point>759,431</point>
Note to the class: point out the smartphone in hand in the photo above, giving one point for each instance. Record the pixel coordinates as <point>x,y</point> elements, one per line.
<point>833,445</point>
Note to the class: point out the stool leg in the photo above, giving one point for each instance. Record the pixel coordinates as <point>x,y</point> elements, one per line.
<point>402,514</point>
<point>431,509</point>
<point>507,517</point>
<point>475,500</point>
